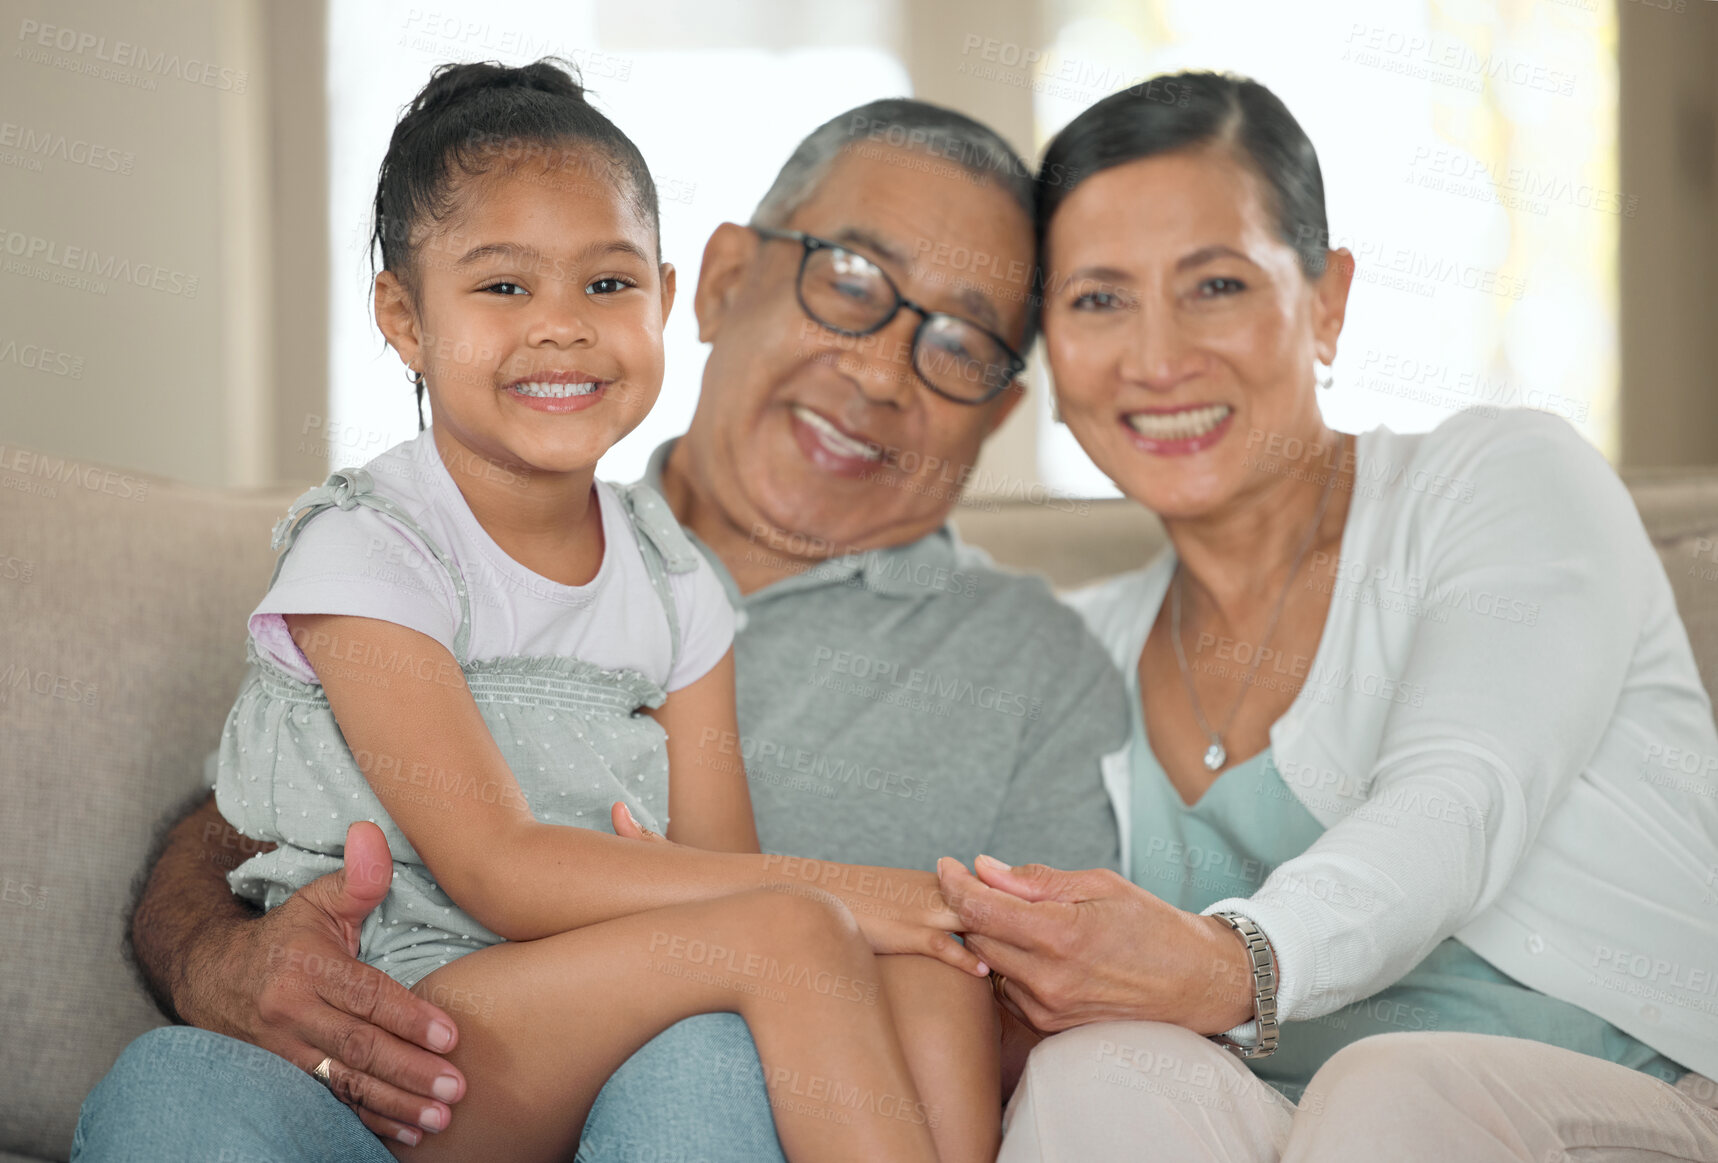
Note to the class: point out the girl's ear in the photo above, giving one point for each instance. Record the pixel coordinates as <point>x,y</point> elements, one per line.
<point>668,289</point>
<point>398,319</point>
<point>727,257</point>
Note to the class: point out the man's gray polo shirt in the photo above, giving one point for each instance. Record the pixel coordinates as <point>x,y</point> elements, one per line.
<point>908,703</point>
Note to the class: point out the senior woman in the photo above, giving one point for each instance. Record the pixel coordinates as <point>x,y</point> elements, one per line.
<point>1401,709</point>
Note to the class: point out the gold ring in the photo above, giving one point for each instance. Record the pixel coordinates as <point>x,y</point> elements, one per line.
<point>997,981</point>
<point>321,1073</point>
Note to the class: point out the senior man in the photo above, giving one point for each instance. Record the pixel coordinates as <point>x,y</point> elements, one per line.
<point>899,698</point>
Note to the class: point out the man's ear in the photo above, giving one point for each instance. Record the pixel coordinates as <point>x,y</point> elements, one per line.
<point>398,319</point>
<point>1330,302</point>
<point>1005,404</point>
<point>727,257</point>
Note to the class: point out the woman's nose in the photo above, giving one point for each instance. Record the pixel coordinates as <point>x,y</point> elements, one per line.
<point>1158,351</point>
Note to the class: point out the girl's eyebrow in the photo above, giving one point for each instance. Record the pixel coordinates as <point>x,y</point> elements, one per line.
<point>531,256</point>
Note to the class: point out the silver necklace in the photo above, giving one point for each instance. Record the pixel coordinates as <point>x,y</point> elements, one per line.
<point>1216,755</point>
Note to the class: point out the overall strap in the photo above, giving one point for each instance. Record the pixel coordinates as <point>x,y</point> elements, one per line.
<point>665,548</point>
<point>346,489</point>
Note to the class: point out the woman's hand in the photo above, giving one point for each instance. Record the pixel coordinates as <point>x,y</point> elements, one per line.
<point>899,910</point>
<point>1079,947</point>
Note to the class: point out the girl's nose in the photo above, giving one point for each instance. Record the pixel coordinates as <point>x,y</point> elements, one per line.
<point>562,321</point>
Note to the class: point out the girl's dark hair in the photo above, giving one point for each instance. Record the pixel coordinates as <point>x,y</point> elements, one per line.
<point>1184,111</point>
<point>474,118</point>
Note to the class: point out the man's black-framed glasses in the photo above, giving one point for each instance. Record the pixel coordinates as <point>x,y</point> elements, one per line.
<point>849,294</point>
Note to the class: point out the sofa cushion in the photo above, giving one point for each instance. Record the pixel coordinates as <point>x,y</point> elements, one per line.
<point>123,602</point>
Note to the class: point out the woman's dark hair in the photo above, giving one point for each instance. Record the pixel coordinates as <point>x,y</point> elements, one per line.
<point>474,118</point>
<point>1185,111</point>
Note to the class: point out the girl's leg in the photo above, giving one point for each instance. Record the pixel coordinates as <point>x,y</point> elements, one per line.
<point>1018,1039</point>
<point>948,1027</point>
<point>542,1024</point>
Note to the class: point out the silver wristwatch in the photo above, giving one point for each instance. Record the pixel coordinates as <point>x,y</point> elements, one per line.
<point>1264,988</point>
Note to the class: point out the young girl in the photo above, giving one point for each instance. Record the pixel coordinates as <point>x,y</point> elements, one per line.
<point>475,645</point>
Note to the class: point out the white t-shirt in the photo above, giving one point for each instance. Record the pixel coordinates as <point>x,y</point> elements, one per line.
<point>364,563</point>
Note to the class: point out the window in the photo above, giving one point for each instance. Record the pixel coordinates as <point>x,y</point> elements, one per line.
<point>1469,162</point>
<point>713,124</point>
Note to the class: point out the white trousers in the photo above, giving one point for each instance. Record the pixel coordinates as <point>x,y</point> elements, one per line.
<point>1150,1091</point>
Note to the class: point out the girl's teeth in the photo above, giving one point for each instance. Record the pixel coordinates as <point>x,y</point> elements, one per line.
<point>1179,425</point>
<point>555,391</point>
<point>836,440</point>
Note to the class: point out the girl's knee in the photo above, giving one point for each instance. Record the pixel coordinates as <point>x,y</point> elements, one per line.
<point>804,920</point>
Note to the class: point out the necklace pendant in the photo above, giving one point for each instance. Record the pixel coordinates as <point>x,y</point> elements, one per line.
<point>1214,756</point>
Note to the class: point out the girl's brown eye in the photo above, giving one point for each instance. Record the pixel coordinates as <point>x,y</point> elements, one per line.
<point>505,288</point>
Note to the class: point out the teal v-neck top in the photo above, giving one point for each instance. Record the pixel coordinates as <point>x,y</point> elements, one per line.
<point>1246,824</point>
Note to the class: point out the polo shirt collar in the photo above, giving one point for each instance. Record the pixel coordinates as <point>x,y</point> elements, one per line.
<point>919,568</point>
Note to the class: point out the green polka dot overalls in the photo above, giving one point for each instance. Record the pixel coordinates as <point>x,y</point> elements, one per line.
<point>571,732</point>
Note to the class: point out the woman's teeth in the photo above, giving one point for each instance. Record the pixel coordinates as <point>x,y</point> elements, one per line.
<point>1179,425</point>
<point>834,439</point>
<point>555,391</point>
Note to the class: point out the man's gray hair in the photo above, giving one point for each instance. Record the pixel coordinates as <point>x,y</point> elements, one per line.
<point>900,123</point>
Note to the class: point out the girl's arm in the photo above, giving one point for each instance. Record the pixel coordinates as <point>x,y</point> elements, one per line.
<point>407,715</point>
<point>709,805</point>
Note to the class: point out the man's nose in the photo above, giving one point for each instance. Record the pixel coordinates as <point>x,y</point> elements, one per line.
<point>882,362</point>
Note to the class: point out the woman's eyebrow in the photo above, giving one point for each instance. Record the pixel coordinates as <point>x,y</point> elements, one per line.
<point>1206,253</point>
<point>1099,275</point>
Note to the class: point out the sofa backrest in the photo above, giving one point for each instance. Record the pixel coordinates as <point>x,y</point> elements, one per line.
<point>122,608</point>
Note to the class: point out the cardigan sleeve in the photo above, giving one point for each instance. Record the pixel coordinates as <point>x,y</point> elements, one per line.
<point>1535,590</point>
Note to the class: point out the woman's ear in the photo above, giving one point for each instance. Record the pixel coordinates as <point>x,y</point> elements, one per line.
<point>727,257</point>
<point>398,319</point>
<point>1330,302</point>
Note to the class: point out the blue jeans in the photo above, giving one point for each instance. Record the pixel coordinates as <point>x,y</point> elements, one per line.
<point>693,1095</point>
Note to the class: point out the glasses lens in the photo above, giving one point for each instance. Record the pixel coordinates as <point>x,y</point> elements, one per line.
<point>961,360</point>
<point>845,291</point>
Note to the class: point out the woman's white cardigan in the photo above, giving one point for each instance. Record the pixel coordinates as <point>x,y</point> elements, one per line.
<point>1503,732</point>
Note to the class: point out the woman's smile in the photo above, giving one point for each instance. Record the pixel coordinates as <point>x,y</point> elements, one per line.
<point>1178,431</point>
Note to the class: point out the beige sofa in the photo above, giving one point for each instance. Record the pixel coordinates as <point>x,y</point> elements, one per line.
<point>122,608</point>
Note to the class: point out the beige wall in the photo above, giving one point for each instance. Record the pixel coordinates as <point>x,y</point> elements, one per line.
<point>143,242</point>
<point>1668,93</point>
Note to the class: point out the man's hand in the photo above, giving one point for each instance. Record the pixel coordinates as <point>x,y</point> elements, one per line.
<point>290,983</point>
<point>1080,947</point>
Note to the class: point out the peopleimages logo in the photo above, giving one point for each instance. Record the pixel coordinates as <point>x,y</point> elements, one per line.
<point>123,54</point>
<point>31,254</point>
<point>42,143</point>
